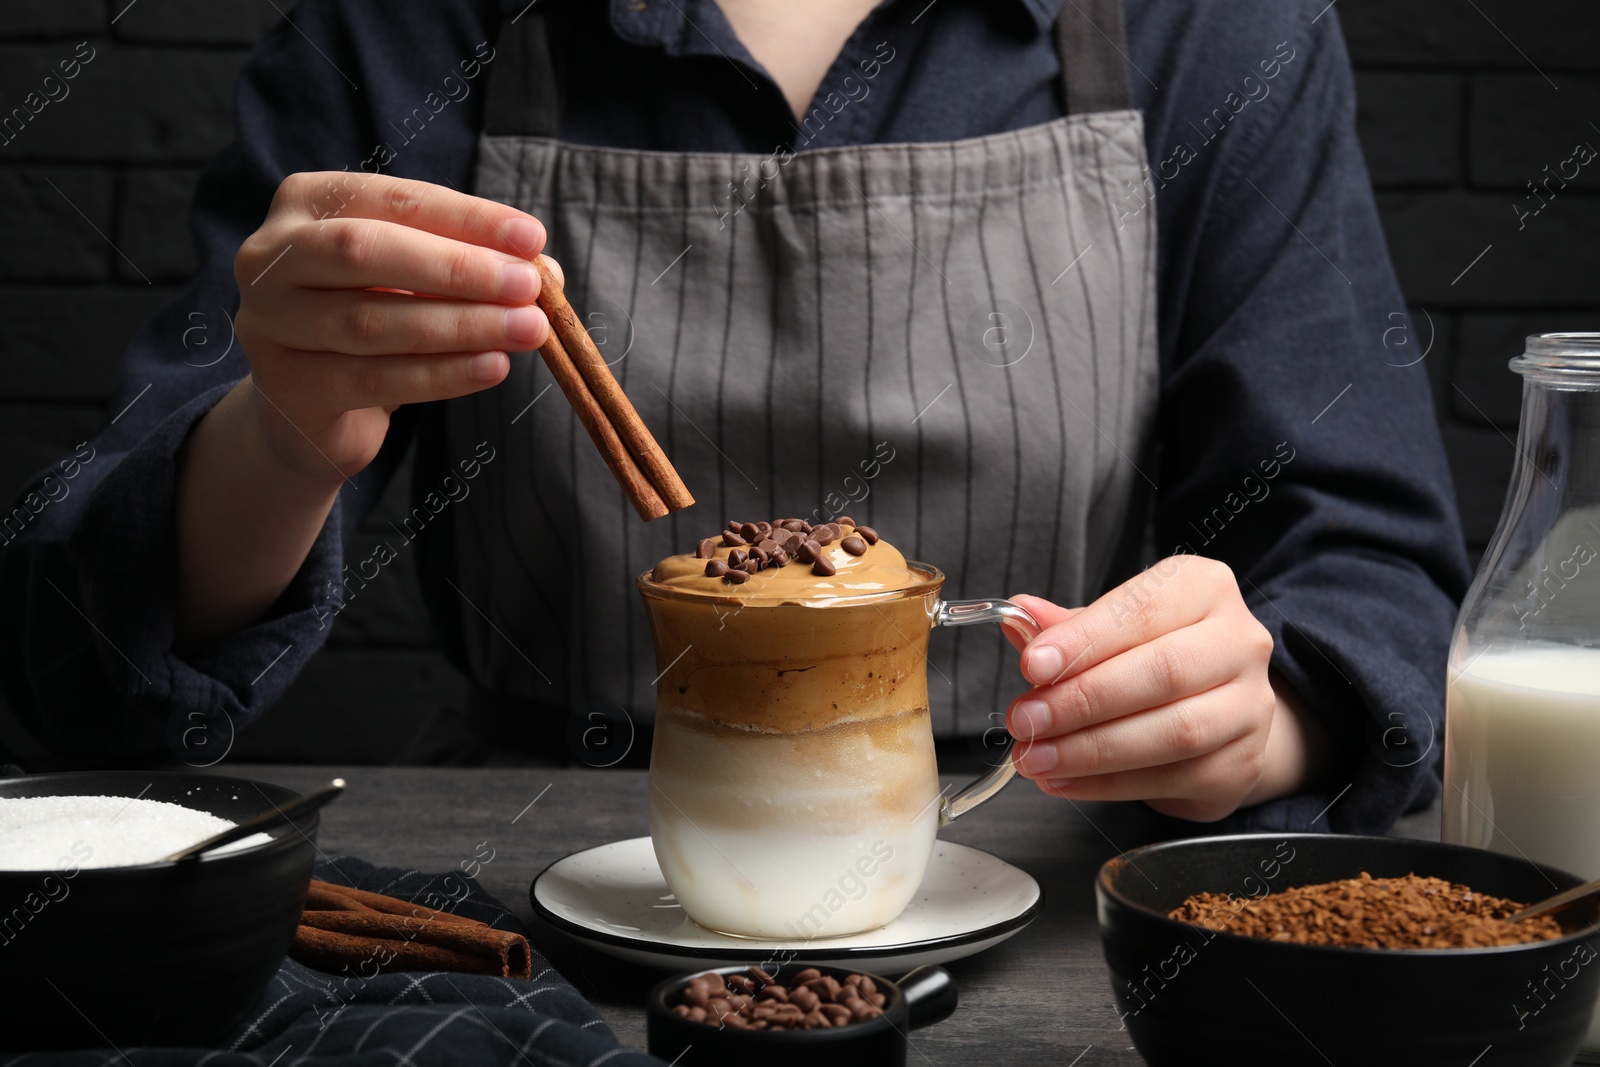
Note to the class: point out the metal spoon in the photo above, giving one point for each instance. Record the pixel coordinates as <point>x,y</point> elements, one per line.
<point>1557,902</point>
<point>293,810</point>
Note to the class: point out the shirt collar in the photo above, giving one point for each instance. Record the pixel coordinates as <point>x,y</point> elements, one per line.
<point>698,27</point>
<point>1044,12</point>
<point>678,27</point>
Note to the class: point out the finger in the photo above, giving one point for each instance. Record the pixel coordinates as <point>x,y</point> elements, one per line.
<point>415,204</point>
<point>555,268</point>
<point>1171,733</point>
<point>350,383</point>
<point>1044,613</point>
<point>1175,665</point>
<point>1203,789</point>
<point>351,253</point>
<point>1173,593</point>
<point>363,322</point>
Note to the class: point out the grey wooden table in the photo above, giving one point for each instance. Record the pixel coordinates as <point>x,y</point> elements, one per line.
<point>1043,997</point>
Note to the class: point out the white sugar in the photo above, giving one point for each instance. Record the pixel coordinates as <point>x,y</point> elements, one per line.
<point>51,833</point>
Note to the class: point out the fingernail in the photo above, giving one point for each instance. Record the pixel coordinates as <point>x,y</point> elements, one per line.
<point>1030,719</point>
<point>525,325</point>
<point>1043,664</point>
<point>487,367</point>
<point>523,236</point>
<point>519,283</point>
<point>1040,759</point>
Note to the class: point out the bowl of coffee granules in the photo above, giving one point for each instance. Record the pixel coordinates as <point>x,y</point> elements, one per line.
<point>1311,949</point>
<point>793,1016</point>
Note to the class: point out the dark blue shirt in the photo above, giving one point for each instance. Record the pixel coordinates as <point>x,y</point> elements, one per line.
<point>1275,299</point>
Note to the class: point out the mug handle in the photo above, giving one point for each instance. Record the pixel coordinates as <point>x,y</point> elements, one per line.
<point>967,613</point>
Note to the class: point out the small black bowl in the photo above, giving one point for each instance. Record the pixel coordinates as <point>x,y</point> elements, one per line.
<point>1193,996</point>
<point>158,954</point>
<point>922,998</point>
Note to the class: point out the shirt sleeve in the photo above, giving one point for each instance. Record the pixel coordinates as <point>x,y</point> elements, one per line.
<point>88,561</point>
<point>1297,445</point>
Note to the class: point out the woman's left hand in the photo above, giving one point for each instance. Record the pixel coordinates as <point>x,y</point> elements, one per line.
<point>1159,691</point>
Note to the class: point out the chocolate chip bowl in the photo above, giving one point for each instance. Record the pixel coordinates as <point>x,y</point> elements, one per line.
<point>172,954</point>
<point>840,1018</point>
<point>1203,994</point>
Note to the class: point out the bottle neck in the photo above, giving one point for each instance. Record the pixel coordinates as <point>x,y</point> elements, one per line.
<point>1558,444</point>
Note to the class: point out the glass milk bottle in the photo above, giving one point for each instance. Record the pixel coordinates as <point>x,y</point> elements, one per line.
<point>1522,707</point>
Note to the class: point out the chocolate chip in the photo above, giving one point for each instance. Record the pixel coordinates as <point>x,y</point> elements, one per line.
<point>824,567</point>
<point>792,543</point>
<point>844,520</point>
<point>737,577</point>
<point>731,538</point>
<point>734,524</point>
<point>765,528</point>
<point>868,533</point>
<point>705,549</point>
<point>750,532</point>
<point>780,558</point>
<point>808,552</point>
<point>768,544</point>
<point>751,566</point>
<point>825,534</point>
<point>762,554</point>
<point>853,545</point>
<point>737,557</point>
<point>715,568</point>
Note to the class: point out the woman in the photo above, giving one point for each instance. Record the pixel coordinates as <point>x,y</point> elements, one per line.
<point>904,255</point>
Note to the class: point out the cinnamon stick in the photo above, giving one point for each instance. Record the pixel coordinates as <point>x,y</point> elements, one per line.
<point>342,928</point>
<point>581,351</point>
<point>329,896</point>
<point>641,494</point>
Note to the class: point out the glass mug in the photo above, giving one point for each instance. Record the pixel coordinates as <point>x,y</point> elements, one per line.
<point>793,789</point>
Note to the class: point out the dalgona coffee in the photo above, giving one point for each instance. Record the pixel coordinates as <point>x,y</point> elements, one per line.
<point>793,785</point>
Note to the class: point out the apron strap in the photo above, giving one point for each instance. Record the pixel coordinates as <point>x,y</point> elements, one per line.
<point>526,87</point>
<point>1094,56</point>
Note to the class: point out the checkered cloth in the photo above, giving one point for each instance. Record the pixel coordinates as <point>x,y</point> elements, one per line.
<point>406,1019</point>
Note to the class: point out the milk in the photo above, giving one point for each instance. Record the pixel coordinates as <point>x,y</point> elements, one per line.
<point>793,837</point>
<point>1522,758</point>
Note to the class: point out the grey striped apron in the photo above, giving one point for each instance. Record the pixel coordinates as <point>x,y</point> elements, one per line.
<point>954,342</point>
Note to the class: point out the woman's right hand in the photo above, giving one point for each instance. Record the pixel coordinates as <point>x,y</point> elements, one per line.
<point>363,292</point>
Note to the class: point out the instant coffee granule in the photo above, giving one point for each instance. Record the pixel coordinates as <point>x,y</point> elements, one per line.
<point>1368,912</point>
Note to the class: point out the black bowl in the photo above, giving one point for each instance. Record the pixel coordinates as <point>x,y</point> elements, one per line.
<point>1194,997</point>
<point>158,954</point>
<point>921,998</point>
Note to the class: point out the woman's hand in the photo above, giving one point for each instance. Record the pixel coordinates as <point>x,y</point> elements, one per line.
<point>1159,691</point>
<point>363,292</point>
<point>359,293</point>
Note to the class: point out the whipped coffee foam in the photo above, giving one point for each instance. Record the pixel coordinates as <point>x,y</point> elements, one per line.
<point>791,559</point>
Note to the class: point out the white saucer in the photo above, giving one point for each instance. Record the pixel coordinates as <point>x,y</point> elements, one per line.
<point>614,898</point>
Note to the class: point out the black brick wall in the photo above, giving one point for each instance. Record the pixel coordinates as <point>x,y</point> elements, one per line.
<point>1461,105</point>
